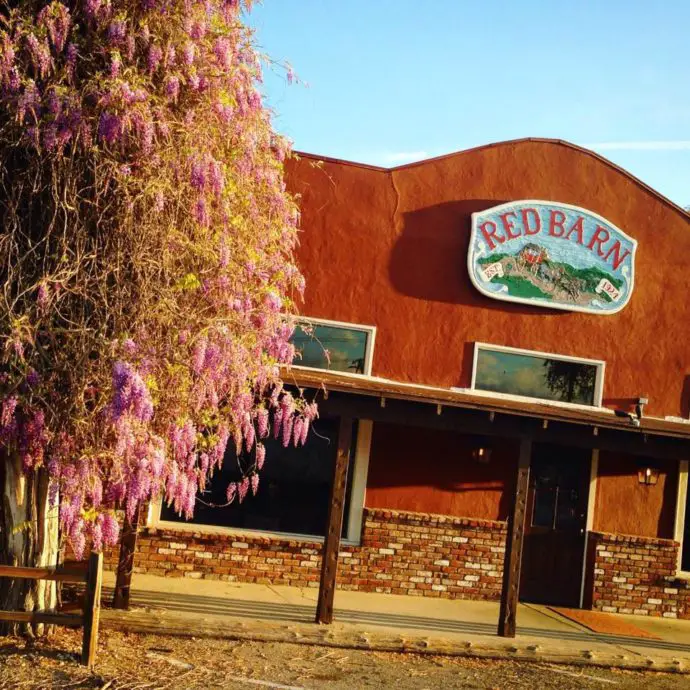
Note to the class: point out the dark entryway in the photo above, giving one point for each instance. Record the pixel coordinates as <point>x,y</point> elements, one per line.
<point>555,525</point>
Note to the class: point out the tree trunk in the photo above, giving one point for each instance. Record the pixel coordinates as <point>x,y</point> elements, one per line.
<point>28,537</point>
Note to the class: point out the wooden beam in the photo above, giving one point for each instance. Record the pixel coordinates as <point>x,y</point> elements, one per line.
<point>36,617</point>
<point>514,542</point>
<point>474,400</point>
<point>331,546</point>
<point>92,609</point>
<point>469,421</point>
<point>57,574</point>
<point>128,545</point>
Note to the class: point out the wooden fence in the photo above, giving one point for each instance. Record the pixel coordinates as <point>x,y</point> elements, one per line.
<point>89,618</point>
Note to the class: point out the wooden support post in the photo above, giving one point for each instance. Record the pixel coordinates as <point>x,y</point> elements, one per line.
<point>128,544</point>
<point>514,542</point>
<point>331,546</point>
<point>92,609</point>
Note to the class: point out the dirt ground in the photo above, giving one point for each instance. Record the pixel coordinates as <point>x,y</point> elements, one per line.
<point>143,662</point>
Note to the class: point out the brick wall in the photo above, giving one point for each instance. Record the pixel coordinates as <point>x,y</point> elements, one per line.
<point>400,553</point>
<point>637,575</point>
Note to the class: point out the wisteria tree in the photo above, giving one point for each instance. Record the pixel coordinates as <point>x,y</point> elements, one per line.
<point>147,273</point>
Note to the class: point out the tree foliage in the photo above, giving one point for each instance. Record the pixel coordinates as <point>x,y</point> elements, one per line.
<point>146,253</point>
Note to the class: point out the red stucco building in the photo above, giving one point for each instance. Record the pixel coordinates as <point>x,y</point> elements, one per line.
<point>449,377</point>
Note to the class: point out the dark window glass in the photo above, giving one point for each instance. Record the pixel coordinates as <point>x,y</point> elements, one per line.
<point>294,491</point>
<point>685,554</point>
<point>545,495</point>
<point>559,481</point>
<point>535,377</point>
<point>544,506</point>
<point>568,515</point>
<point>331,347</point>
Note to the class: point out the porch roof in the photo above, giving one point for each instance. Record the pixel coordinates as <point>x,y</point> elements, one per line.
<point>600,417</point>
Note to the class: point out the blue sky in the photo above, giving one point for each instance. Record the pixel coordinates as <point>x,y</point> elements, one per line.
<point>390,81</point>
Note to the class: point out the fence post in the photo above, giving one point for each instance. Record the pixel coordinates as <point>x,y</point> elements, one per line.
<point>92,609</point>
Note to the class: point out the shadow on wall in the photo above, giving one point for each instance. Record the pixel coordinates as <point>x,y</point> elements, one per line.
<point>429,471</point>
<point>429,260</point>
<point>624,506</point>
<point>685,398</point>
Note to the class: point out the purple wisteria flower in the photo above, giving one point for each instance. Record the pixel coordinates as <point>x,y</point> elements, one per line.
<point>154,58</point>
<point>262,422</point>
<point>117,30</point>
<point>40,55</point>
<point>172,88</point>
<point>109,128</point>
<point>110,529</point>
<point>33,378</point>
<point>115,64</point>
<point>130,394</point>
<point>243,488</point>
<point>198,174</point>
<point>201,212</point>
<point>188,53</point>
<point>222,49</point>
<point>42,296</point>
<point>71,55</point>
<point>260,455</point>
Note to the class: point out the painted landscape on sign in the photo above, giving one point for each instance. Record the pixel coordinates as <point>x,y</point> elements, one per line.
<point>551,254</point>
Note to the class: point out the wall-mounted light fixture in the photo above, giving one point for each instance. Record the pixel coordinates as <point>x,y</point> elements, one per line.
<point>482,454</point>
<point>647,473</point>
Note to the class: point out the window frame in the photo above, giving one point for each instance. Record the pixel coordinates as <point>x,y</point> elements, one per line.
<point>681,517</point>
<point>353,519</point>
<point>368,353</point>
<point>598,384</point>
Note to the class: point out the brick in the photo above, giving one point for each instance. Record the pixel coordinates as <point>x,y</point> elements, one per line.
<point>421,555</point>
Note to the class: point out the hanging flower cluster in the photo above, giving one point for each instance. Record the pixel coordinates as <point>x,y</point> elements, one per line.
<point>146,254</point>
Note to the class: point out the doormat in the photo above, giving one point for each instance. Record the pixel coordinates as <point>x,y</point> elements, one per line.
<point>606,623</point>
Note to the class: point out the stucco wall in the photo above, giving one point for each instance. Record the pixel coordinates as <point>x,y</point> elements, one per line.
<point>624,506</point>
<point>389,248</point>
<point>428,471</point>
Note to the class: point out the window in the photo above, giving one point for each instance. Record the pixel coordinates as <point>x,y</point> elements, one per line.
<point>537,375</point>
<point>294,490</point>
<point>335,346</point>
<point>560,479</point>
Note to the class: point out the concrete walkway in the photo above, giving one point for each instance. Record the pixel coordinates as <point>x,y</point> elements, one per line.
<point>389,622</point>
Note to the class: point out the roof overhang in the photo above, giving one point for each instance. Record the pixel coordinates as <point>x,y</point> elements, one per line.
<point>595,417</point>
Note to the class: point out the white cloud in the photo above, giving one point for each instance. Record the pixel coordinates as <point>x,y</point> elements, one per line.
<point>678,145</point>
<point>402,156</point>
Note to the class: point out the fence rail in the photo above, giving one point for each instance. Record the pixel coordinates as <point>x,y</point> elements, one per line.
<point>90,616</point>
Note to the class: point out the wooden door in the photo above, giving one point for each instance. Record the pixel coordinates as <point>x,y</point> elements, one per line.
<point>556,522</point>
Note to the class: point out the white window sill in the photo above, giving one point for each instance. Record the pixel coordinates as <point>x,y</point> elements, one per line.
<point>682,575</point>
